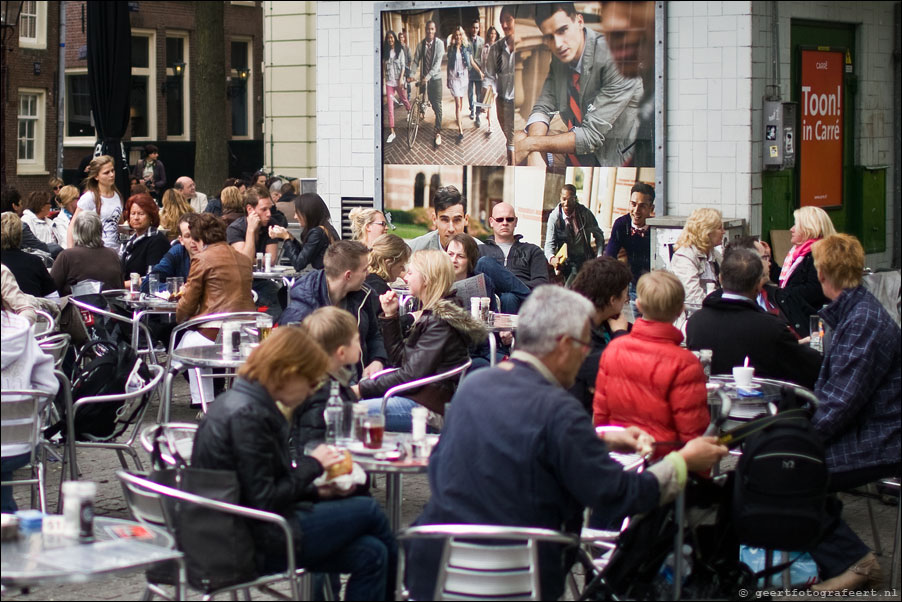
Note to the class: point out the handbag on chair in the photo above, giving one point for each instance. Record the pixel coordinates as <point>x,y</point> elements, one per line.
<point>218,547</point>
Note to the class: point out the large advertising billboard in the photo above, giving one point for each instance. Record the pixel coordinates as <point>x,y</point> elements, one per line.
<point>509,102</point>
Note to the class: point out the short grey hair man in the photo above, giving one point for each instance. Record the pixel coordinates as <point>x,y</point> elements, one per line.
<point>542,322</point>
<point>87,230</point>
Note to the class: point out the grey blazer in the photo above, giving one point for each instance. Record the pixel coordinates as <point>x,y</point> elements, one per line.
<point>433,71</point>
<point>609,102</point>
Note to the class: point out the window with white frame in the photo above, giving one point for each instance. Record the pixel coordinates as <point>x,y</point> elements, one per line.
<point>241,87</point>
<point>33,24</point>
<point>143,99</point>
<point>30,132</point>
<point>177,86</point>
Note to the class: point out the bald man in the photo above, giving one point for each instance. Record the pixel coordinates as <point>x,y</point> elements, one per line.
<point>524,260</point>
<point>197,200</point>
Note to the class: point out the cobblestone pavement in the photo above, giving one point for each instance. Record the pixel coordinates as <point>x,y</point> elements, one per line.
<point>479,147</point>
<point>101,465</point>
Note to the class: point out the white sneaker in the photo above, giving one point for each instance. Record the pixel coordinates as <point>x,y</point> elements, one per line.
<point>391,138</point>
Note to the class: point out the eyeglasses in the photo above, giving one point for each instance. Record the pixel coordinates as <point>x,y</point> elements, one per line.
<point>586,345</point>
<point>383,224</point>
<point>57,187</point>
<point>509,220</point>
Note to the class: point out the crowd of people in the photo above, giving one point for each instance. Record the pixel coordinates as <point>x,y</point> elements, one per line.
<point>605,346</point>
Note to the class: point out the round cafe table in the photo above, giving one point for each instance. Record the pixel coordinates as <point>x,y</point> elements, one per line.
<point>393,470</point>
<point>188,358</point>
<point>41,558</point>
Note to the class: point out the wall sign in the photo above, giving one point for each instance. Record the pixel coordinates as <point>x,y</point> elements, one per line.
<point>821,149</point>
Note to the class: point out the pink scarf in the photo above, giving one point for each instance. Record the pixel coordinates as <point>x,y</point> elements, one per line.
<point>793,259</point>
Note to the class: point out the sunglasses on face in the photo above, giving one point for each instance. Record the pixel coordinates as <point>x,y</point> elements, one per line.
<point>383,224</point>
<point>509,220</point>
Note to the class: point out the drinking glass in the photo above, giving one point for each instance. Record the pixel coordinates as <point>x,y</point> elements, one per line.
<point>373,431</point>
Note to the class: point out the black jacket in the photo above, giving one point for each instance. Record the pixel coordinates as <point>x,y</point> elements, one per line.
<point>379,287</point>
<point>437,343</point>
<point>311,251</point>
<point>734,329</point>
<point>584,386</point>
<point>146,253</point>
<point>525,260</point>
<point>802,297</point>
<point>31,275</point>
<point>579,246</point>
<point>312,292</point>
<point>245,432</point>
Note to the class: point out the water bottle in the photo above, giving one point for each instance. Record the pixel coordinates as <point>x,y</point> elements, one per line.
<point>686,569</point>
<point>706,356</point>
<point>334,415</point>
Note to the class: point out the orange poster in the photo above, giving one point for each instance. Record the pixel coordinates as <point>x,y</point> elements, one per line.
<point>822,128</point>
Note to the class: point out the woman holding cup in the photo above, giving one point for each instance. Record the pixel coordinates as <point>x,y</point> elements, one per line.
<point>437,342</point>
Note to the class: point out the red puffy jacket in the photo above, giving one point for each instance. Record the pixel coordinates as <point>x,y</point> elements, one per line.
<point>646,379</point>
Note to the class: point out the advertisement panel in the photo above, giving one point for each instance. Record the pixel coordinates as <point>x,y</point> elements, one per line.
<point>820,153</point>
<point>493,98</point>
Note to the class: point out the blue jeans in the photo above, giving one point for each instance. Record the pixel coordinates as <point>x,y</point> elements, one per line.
<point>473,90</point>
<point>397,412</point>
<point>351,535</point>
<point>7,466</point>
<point>508,287</point>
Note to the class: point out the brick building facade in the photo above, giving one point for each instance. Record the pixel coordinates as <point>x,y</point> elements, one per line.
<point>162,104</point>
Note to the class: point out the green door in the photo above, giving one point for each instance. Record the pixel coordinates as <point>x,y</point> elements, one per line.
<point>780,189</point>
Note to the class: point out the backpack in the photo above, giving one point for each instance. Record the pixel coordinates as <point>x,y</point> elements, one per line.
<point>780,488</point>
<point>113,370</point>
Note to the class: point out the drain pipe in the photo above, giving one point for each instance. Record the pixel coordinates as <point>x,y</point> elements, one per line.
<point>61,92</point>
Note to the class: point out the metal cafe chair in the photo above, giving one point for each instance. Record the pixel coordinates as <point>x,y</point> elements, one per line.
<point>106,315</point>
<point>44,323</point>
<point>150,502</point>
<point>128,419</point>
<point>459,372</point>
<point>178,438</point>
<point>21,435</point>
<point>56,345</point>
<point>482,562</point>
<point>209,321</point>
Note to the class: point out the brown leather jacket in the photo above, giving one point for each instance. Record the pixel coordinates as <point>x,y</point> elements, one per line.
<point>220,280</point>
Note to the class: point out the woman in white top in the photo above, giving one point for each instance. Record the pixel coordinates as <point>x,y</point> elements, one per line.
<point>68,199</point>
<point>696,261</point>
<point>36,215</point>
<point>395,67</point>
<point>102,197</point>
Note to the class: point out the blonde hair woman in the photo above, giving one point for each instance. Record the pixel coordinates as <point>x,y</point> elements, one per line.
<point>696,260</point>
<point>68,199</point>
<point>174,206</point>
<point>438,341</point>
<point>102,197</point>
<point>387,259</point>
<point>367,225</point>
<point>232,199</point>
<point>800,295</point>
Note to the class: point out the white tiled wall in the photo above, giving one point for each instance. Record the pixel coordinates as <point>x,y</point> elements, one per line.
<point>709,58</point>
<point>345,83</point>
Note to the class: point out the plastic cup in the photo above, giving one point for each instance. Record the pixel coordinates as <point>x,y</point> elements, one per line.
<point>373,431</point>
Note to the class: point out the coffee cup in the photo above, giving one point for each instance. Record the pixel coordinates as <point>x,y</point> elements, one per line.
<point>743,375</point>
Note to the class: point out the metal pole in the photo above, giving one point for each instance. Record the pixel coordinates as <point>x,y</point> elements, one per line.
<point>61,93</point>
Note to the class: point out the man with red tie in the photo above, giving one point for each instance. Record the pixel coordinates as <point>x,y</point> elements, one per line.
<point>598,105</point>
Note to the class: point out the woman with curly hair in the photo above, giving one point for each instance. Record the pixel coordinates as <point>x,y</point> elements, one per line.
<point>696,260</point>
<point>367,225</point>
<point>387,260</point>
<point>174,206</point>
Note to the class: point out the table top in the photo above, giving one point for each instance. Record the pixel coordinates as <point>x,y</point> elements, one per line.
<point>121,545</point>
<point>745,407</point>
<point>208,356</point>
<point>371,463</point>
<point>151,302</point>
<point>276,273</point>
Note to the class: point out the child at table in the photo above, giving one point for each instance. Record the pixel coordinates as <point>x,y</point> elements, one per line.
<point>336,332</point>
<point>646,379</point>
